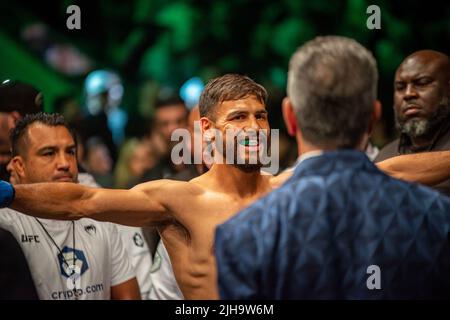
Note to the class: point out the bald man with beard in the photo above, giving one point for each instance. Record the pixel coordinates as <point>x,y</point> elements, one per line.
<point>422,107</point>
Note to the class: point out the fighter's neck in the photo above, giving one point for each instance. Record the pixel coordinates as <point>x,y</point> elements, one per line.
<point>233,180</point>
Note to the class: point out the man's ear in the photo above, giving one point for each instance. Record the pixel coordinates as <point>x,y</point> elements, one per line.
<point>207,129</point>
<point>376,116</point>
<point>205,124</point>
<point>16,167</point>
<point>208,138</point>
<point>289,116</point>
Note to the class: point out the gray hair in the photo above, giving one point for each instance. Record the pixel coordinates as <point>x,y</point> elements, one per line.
<point>332,85</point>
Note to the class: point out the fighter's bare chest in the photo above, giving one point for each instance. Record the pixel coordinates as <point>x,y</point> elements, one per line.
<point>218,210</point>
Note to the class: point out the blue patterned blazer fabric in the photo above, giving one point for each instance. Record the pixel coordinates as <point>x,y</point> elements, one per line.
<point>318,235</point>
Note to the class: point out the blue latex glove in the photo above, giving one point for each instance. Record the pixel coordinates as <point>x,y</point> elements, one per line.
<point>6,194</point>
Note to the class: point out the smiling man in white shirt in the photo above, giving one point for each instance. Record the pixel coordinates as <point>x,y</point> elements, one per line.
<point>83,259</point>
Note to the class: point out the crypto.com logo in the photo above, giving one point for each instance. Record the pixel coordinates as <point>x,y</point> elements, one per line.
<point>237,147</point>
<point>73,264</point>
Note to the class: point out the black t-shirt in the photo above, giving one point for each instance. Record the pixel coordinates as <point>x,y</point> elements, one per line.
<point>441,142</point>
<point>15,277</point>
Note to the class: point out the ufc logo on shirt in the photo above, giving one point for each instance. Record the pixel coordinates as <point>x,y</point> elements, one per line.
<point>30,238</point>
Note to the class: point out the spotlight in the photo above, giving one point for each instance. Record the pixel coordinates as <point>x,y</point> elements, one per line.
<point>191,90</point>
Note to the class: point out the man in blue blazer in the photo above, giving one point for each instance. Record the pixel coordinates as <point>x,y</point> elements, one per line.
<point>338,228</point>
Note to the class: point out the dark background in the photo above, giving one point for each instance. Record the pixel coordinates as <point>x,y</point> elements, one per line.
<point>160,44</point>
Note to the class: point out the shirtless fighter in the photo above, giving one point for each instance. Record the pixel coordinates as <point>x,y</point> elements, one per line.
<point>185,213</point>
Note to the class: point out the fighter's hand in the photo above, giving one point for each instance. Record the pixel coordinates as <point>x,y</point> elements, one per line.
<point>6,194</point>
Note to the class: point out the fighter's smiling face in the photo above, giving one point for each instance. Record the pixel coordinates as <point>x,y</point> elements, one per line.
<point>244,121</point>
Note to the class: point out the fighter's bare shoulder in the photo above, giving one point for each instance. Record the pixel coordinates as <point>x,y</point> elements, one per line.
<point>277,181</point>
<point>172,193</point>
<point>168,188</point>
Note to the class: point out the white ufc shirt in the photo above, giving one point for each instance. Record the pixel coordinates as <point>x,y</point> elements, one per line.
<point>101,259</point>
<point>140,257</point>
<point>164,284</point>
<point>135,244</point>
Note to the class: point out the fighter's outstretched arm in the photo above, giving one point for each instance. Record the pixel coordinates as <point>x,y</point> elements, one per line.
<point>143,205</point>
<point>429,168</point>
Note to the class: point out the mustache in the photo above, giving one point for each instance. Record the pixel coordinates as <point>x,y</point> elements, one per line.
<point>63,175</point>
<point>407,106</point>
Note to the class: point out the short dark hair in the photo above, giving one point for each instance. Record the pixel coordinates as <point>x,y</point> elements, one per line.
<point>48,119</point>
<point>228,87</point>
<point>168,101</point>
<point>20,97</point>
<point>332,85</point>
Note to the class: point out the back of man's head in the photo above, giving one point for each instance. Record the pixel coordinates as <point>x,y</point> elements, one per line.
<point>332,86</point>
<point>17,99</point>
<point>20,97</point>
